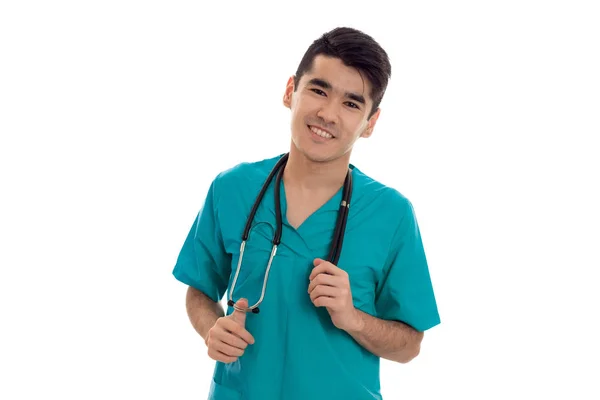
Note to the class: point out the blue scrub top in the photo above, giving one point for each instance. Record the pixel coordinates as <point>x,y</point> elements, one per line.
<point>298,353</point>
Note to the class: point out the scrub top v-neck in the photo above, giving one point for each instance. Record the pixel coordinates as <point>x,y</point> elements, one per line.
<point>298,353</point>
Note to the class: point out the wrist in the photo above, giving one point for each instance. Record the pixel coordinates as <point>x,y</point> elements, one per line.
<point>357,324</point>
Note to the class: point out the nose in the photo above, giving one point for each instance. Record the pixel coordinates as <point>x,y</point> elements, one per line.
<point>328,112</point>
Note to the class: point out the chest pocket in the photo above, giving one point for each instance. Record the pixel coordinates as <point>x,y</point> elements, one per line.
<point>253,268</point>
<point>363,281</point>
<point>364,264</point>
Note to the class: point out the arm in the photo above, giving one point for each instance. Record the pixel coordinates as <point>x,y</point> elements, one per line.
<point>404,294</point>
<point>204,266</point>
<point>202,311</point>
<point>392,340</point>
<point>330,288</point>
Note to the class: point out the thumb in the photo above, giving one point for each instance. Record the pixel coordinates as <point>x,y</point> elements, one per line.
<point>318,261</point>
<point>240,316</point>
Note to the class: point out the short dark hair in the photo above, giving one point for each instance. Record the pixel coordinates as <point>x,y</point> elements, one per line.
<point>355,49</point>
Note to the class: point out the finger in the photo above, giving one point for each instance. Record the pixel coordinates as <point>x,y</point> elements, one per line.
<point>235,328</point>
<point>223,334</point>
<point>234,340</point>
<point>324,279</point>
<point>240,316</point>
<point>322,267</point>
<point>324,301</point>
<point>218,356</point>
<point>327,291</point>
<point>227,349</point>
<point>328,268</point>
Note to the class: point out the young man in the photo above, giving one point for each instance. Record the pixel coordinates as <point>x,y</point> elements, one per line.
<point>324,320</point>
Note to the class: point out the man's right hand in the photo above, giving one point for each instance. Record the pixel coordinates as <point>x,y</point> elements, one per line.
<point>228,338</point>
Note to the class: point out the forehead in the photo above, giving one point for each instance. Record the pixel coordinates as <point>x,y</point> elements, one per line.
<point>343,79</point>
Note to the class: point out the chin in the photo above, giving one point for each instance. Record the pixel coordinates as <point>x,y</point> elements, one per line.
<point>316,156</point>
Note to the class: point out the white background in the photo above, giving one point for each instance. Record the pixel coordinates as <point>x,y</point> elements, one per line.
<point>490,126</point>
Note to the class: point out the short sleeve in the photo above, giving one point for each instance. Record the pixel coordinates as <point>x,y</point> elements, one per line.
<point>406,293</point>
<point>202,262</point>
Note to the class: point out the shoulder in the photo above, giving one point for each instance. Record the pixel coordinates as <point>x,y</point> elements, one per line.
<point>390,211</point>
<point>387,200</point>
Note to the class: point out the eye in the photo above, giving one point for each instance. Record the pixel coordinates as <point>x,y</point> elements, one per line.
<point>353,105</point>
<point>318,91</point>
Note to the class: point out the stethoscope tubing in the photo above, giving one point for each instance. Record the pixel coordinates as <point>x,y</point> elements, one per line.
<point>338,237</point>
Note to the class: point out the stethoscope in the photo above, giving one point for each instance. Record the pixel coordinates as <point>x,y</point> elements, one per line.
<point>336,244</point>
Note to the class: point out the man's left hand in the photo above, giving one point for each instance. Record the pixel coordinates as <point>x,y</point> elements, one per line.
<point>330,288</point>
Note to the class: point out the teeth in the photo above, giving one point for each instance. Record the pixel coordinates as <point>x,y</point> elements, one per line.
<point>321,133</point>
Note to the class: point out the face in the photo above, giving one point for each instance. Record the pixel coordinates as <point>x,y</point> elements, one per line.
<point>329,108</point>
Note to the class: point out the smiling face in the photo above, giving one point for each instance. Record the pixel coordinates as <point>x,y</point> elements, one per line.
<point>330,110</point>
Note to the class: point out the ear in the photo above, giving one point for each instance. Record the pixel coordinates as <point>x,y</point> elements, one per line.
<point>371,124</point>
<point>289,89</point>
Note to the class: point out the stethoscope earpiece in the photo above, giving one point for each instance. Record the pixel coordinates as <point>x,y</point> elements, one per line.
<point>230,303</point>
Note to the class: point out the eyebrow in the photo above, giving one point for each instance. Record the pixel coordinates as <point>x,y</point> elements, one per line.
<point>326,85</point>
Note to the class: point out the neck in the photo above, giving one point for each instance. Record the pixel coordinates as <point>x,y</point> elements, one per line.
<point>310,175</point>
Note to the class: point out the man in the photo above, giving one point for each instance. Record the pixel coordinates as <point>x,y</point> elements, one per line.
<point>321,326</point>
